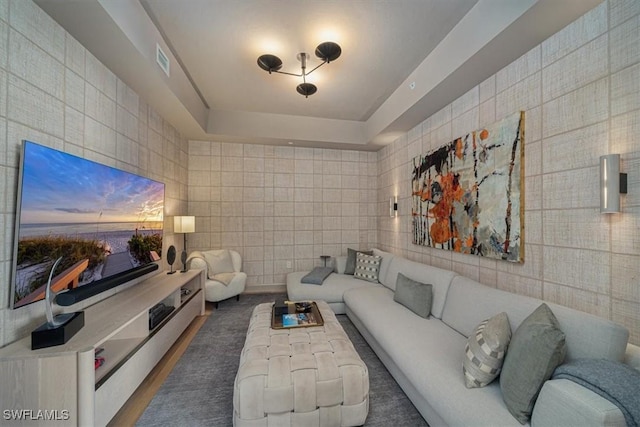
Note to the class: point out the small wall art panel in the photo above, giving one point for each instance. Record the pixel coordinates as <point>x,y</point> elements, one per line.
<point>468,195</point>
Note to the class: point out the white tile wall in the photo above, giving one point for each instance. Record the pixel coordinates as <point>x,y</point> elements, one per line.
<point>280,205</point>
<point>580,91</point>
<point>45,98</point>
<point>33,107</point>
<point>34,65</point>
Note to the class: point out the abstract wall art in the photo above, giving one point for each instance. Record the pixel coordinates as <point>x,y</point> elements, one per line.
<point>468,195</point>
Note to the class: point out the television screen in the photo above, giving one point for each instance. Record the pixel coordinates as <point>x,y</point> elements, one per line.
<point>101,220</point>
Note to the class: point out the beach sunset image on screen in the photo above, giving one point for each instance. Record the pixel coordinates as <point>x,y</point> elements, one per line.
<point>101,220</point>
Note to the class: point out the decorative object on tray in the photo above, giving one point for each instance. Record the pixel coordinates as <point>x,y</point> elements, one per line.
<point>291,314</point>
<point>303,307</point>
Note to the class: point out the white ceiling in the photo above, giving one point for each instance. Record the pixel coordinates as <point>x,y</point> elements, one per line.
<point>365,98</point>
<point>218,41</point>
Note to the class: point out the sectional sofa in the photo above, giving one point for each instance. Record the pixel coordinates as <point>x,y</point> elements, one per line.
<point>425,355</point>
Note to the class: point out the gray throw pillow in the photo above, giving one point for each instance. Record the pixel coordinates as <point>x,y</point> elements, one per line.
<point>485,351</point>
<point>537,348</point>
<point>351,260</point>
<point>416,296</point>
<point>367,267</point>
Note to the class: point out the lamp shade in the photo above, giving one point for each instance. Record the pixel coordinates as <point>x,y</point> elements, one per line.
<point>184,224</point>
<point>328,51</point>
<point>306,89</point>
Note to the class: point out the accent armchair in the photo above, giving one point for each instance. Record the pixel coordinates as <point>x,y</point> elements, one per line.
<point>224,278</point>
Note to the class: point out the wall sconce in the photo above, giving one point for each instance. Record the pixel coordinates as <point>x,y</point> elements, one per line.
<point>184,224</point>
<point>393,206</point>
<point>612,183</point>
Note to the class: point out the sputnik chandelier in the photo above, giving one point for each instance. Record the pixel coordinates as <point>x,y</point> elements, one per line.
<point>327,51</point>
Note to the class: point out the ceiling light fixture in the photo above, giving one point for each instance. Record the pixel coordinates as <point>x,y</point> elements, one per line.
<point>327,51</point>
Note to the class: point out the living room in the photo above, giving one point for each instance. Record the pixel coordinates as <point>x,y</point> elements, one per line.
<point>283,206</point>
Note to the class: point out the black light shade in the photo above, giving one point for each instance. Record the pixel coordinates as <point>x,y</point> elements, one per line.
<point>328,51</point>
<point>269,63</point>
<point>306,89</point>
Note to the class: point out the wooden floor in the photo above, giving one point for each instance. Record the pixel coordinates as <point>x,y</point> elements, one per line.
<point>138,402</point>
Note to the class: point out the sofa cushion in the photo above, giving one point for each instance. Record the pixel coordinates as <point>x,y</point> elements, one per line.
<point>387,257</point>
<point>469,302</point>
<point>340,264</point>
<point>565,403</point>
<point>537,349</point>
<point>331,290</point>
<point>440,280</point>
<point>367,267</point>
<point>485,351</point>
<point>219,262</point>
<point>350,267</point>
<point>414,295</point>
<point>407,339</point>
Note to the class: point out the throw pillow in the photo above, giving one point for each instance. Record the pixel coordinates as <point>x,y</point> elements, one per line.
<point>485,351</point>
<point>416,296</point>
<point>367,267</point>
<point>219,262</point>
<point>536,349</point>
<point>350,268</point>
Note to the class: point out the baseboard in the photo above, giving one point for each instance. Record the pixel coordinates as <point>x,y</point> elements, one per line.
<point>265,289</point>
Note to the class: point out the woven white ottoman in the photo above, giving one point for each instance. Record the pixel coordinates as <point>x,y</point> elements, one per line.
<point>299,377</point>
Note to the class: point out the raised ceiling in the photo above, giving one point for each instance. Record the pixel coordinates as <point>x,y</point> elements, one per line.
<point>402,60</point>
<point>381,41</point>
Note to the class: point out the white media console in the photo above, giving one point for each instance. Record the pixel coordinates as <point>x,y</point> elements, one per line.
<point>61,383</point>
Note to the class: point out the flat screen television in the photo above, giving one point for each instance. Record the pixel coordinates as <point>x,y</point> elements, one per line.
<point>105,223</point>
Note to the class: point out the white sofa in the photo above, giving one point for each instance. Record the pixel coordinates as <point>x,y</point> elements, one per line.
<point>215,290</point>
<point>425,356</point>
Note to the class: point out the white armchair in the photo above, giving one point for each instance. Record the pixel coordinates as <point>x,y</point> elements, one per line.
<point>224,278</point>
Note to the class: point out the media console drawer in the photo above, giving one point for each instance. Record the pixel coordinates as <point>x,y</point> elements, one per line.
<point>116,390</point>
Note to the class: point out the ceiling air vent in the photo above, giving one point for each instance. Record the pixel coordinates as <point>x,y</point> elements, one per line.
<point>162,59</point>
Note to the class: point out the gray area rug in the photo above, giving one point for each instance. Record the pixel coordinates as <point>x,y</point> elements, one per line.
<point>199,390</point>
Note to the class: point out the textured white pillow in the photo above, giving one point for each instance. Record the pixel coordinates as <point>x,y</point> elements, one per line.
<point>367,267</point>
<point>485,351</point>
<point>219,262</point>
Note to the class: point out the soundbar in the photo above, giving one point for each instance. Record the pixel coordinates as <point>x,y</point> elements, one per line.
<point>73,296</point>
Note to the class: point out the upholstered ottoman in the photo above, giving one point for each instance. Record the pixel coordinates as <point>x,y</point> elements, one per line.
<point>299,377</point>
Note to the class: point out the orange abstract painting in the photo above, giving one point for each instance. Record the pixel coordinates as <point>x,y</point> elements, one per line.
<point>467,196</point>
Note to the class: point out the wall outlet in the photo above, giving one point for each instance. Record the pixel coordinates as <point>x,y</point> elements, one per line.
<point>288,264</point>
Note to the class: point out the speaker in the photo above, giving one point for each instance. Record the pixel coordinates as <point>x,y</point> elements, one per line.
<point>75,295</point>
<point>171,257</point>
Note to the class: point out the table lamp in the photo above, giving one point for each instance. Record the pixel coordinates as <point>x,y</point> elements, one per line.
<point>184,225</point>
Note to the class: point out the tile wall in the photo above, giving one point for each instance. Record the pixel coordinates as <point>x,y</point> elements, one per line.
<point>580,91</point>
<point>281,207</point>
<point>54,92</point>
